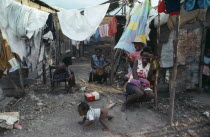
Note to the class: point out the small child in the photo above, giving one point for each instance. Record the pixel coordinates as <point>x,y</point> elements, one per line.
<point>92,114</point>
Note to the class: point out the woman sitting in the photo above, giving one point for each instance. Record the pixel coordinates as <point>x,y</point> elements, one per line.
<point>98,72</point>
<point>138,87</point>
<point>63,73</point>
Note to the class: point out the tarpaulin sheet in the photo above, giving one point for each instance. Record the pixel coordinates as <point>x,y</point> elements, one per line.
<point>80,27</point>
<point>136,27</point>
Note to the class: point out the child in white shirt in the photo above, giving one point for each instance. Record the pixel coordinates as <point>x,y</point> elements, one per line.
<point>92,114</point>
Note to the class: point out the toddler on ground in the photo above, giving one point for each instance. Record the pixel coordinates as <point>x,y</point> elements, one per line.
<point>92,114</point>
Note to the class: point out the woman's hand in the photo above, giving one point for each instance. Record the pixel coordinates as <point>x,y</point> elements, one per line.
<point>69,78</point>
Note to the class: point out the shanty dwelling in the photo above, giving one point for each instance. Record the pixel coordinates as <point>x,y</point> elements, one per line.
<point>193,39</point>
<point>40,48</point>
<point>49,50</point>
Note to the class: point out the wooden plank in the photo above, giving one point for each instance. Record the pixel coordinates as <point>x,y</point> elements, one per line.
<point>172,85</point>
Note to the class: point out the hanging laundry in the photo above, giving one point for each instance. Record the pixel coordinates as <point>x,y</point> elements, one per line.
<point>75,43</point>
<point>162,7</point>
<point>6,56</point>
<point>20,22</point>
<point>163,19</point>
<point>172,7</point>
<point>152,15</point>
<point>24,21</point>
<point>166,60</point>
<point>97,35</point>
<point>35,50</point>
<point>113,26</point>
<point>80,27</point>
<point>50,26</point>
<point>136,27</point>
<point>104,30</point>
<point>187,17</point>
<point>190,5</point>
<point>48,35</point>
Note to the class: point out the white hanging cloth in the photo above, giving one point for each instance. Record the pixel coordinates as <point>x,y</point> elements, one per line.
<point>79,27</point>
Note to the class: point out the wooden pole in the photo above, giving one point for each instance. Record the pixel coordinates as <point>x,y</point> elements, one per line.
<point>44,68</point>
<point>112,58</point>
<point>172,86</point>
<point>81,49</point>
<point>157,61</point>
<point>203,43</point>
<point>21,76</point>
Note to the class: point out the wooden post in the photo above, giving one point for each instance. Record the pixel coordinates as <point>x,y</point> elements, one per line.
<point>203,43</point>
<point>81,49</point>
<point>172,86</point>
<point>112,48</point>
<point>112,59</point>
<point>44,68</point>
<point>21,76</point>
<point>157,61</point>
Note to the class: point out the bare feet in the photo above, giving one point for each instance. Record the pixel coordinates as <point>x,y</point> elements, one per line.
<point>110,117</point>
<point>123,108</point>
<point>106,129</point>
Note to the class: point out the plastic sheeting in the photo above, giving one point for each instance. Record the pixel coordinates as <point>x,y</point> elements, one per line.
<point>80,27</point>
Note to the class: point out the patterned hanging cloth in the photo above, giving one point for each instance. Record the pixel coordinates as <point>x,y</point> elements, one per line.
<point>136,27</point>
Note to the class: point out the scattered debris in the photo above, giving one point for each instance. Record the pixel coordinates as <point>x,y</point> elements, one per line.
<point>8,119</point>
<point>83,89</point>
<point>18,126</point>
<point>206,114</point>
<point>100,88</point>
<point>193,133</point>
<point>82,80</point>
<point>110,106</point>
<point>92,96</point>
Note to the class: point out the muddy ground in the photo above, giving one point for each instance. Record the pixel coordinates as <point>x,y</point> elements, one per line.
<point>54,114</point>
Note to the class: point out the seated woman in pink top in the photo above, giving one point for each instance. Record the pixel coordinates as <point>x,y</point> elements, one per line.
<point>134,56</point>
<point>138,87</point>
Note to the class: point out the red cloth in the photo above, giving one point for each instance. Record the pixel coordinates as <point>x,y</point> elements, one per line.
<point>162,7</point>
<point>113,26</point>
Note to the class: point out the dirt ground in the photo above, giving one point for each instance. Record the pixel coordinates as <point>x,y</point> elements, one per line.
<point>54,114</point>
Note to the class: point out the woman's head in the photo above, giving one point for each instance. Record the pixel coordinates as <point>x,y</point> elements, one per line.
<point>83,108</point>
<point>67,61</point>
<point>138,45</point>
<point>146,54</point>
<point>98,51</point>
